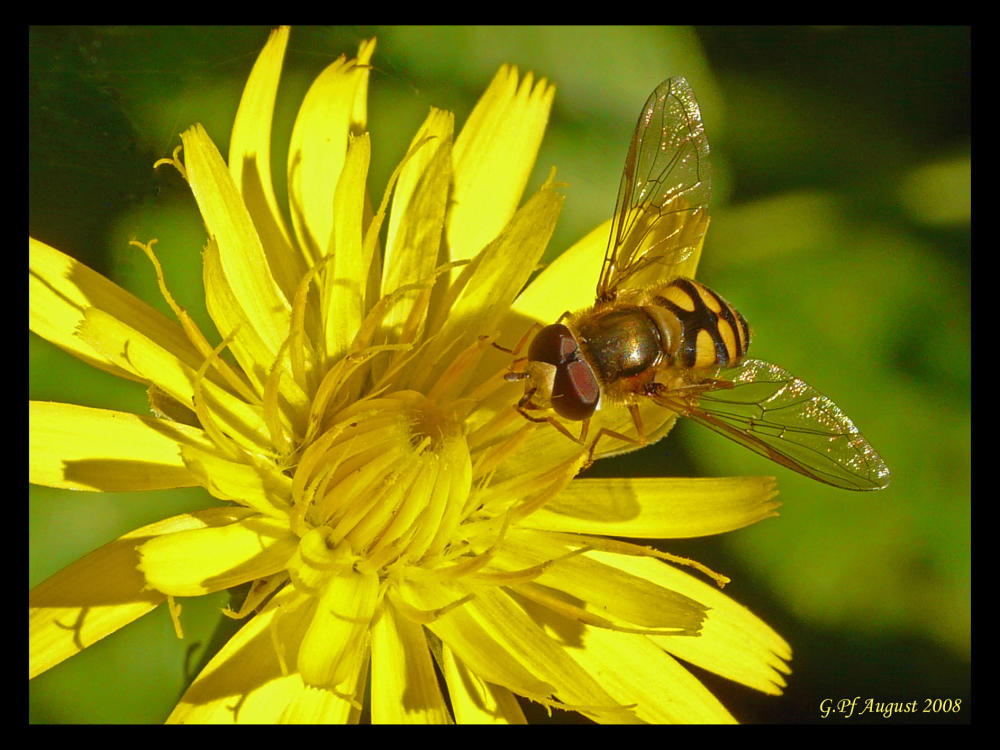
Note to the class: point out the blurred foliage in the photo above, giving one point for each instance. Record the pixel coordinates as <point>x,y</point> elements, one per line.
<point>841,229</point>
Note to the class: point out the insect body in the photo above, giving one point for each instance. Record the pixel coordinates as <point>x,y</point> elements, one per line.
<point>626,347</point>
<point>652,334</point>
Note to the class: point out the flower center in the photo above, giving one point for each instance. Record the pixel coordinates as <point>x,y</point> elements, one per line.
<point>390,476</point>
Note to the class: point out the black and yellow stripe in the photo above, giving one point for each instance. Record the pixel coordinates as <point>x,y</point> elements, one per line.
<point>712,331</point>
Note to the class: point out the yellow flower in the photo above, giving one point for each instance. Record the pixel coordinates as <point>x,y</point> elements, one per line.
<point>404,529</point>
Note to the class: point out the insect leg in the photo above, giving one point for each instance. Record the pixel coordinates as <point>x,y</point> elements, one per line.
<point>535,328</point>
<point>689,389</point>
<point>640,439</point>
<point>551,420</point>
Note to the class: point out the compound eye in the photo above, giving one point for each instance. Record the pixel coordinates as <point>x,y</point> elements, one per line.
<point>575,392</point>
<point>554,344</point>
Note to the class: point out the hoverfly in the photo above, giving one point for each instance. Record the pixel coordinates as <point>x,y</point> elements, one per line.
<point>652,334</point>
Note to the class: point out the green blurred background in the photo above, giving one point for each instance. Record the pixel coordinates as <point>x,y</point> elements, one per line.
<point>840,228</point>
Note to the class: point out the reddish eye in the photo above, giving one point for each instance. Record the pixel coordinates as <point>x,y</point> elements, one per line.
<point>575,392</point>
<point>553,344</point>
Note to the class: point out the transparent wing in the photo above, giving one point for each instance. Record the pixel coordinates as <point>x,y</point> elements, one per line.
<point>770,411</point>
<point>662,209</point>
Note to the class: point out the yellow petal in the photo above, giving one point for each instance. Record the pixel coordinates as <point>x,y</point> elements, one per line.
<point>658,508</point>
<point>490,283</point>
<point>255,486</point>
<point>494,156</point>
<point>79,448</point>
<point>99,593</point>
<point>248,680</point>
<point>150,362</point>
<point>334,108</point>
<point>229,315</point>
<point>339,633</point>
<point>549,295</point>
<point>413,240</point>
<point>567,283</point>
<point>636,672</point>
<point>250,162</point>
<point>314,705</point>
<point>474,700</point>
<point>503,645</point>
<point>61,290</point>
<point>265,311</point>
<point>224,554</point>
<point>346,277</point>
<point>458,629</point>
<point>404,684</point>
<point>609,591</point>
<point>733,642</point>
<point>502,269</point>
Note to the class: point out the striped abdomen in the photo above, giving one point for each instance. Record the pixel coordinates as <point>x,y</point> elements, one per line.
<point>703,329</point>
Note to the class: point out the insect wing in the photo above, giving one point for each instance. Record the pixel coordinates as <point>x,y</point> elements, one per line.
<point>770,411</point>
<point>662,209</point>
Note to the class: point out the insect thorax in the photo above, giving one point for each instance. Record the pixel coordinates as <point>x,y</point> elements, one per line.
<point>620,342</point>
